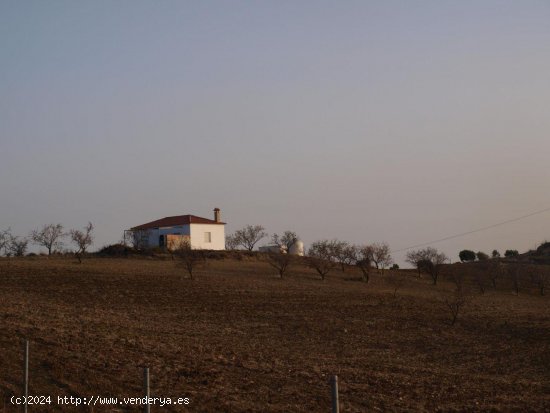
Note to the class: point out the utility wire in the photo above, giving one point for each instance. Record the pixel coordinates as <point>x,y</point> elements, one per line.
<point>474,231</point>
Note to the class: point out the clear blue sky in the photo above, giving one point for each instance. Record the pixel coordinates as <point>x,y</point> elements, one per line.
<point>397,121</point>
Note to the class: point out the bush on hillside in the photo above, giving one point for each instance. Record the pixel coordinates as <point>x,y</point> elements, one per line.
<point>116,250</point>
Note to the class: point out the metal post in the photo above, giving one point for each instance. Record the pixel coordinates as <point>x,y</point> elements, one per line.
<point>26,375</point>
<point>334,391</point>
<point>147,408</point>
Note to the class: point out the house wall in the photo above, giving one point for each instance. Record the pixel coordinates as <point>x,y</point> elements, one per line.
<point>218,236</point>
<point>154,234</point>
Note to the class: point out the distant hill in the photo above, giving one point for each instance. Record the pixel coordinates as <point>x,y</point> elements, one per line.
<point>539,256</point>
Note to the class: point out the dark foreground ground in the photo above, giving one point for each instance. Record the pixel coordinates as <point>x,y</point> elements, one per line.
<point>238,339</point>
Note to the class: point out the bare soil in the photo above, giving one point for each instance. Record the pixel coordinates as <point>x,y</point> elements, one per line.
<point>239,339</point>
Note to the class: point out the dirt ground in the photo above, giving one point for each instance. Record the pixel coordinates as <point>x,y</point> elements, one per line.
<point>238,339</point>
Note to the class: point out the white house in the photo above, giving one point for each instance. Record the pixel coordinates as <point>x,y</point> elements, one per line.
<point>201,233</point>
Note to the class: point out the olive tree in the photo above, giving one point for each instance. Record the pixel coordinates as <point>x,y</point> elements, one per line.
<point>481,256</point>
<point>49,236</point>
<point>511,253</point>
<point>467,255</point>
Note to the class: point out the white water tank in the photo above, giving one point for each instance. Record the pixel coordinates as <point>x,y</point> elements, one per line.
<point>297,248</point>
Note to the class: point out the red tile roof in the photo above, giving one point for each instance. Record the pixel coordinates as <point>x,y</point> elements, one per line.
<point>177,220</point>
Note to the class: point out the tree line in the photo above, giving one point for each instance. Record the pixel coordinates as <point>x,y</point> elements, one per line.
<point>51,237</point>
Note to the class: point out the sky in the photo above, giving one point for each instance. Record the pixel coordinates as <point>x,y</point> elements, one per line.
<point>367,121</point>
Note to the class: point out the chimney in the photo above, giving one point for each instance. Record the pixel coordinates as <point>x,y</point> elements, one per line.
<point>217,215</point>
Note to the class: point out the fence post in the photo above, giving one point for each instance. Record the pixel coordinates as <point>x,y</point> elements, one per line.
<point>26,375</point>
<point>334,391</point>
<point>147,408</point>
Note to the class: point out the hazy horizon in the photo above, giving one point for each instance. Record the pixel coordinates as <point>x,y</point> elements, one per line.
<point>363,121</point>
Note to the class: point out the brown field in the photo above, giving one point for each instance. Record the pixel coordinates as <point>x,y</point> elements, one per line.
<point>238,339</point>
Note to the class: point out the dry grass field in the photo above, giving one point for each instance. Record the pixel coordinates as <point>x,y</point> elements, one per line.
<point>238,339</point>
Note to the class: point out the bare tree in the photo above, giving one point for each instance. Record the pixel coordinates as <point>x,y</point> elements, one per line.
<point>363,261</point>
<point>455,302</point>
<point>380,255</point>
<point>480,281</point>
<point>190,258</point>
<point>5,238</point>
<point>321,257</point>
<point>415,258</point>
<point>82,239</point>
<point>428,259</point>
<point>344,253</point>
<point>395,281</point>
<point>515,275</point>
<point>286,241</point>
<point>231,242</point>
<point>18,246</point>
<point>541,279</point>
<point>281,262</point>
<point>458,279</point>
<point>494,270</point>
<point>48,236</point>
<point>249,236</point>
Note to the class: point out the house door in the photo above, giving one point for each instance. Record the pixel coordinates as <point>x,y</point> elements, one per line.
<point>161,241</point>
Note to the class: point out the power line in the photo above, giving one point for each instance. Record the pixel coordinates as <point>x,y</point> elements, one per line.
<point>474,231</point>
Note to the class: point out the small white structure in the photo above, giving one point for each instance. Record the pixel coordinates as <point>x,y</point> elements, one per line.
<point>169,232</point>
<point>297,248</point>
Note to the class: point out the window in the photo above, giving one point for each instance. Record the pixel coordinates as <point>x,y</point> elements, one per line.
<point>207,237</point>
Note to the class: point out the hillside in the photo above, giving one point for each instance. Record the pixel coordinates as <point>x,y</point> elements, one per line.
<point>239,339</point>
